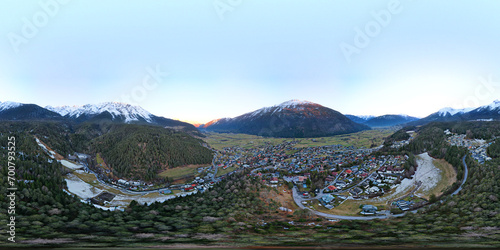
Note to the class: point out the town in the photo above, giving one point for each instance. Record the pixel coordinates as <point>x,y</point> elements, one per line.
<point>477,147</point>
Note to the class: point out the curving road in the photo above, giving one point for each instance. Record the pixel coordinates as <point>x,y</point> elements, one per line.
<point>297,198</point>
<point>466,173</point>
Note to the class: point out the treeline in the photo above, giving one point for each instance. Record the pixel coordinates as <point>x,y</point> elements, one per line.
<point>399,135</point>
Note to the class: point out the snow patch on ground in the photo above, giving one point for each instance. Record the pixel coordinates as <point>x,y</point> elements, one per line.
<point>427,173</point>
<point>147,201</point>
<point>51,154</point>
<point>70,164</point>
<point>80,188</point>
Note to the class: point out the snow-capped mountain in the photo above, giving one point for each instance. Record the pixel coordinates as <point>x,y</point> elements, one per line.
<point>383,120</point>
<point>107,111</point>
<point>360,118</point>
<point>451,111</point>
<point>15,111</point>
<point>293,118</point>
<point>486,112</point>
<point>122,111</point>
<point>9,105</point>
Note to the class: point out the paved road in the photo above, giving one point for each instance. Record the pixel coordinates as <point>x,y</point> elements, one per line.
<point>466,173</point>
<point>124,190</point>
<point>215,166</point>
<point>298,201</point>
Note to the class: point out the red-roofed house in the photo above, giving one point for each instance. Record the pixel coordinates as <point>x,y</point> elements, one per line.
<point>331,188</point>
<point>348,171</point>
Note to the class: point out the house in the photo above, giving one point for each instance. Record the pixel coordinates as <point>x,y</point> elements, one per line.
<point>390,170</point>
<point>332,188</point>
<point>300,179</point>
<point>166,191</point>
<point>348,171</point>
<point>122,182</point>
<point>340,184</point>
<point>369,209</point>
<point>398,170</point>
<point>274,180</point>
<point>403,205</point>
<point>374,189</point>
<point>327,199</point>
<point>356,191</point>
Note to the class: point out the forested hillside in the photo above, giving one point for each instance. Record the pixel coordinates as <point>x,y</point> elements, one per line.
<point>133,151</point>
<point>138,151</point>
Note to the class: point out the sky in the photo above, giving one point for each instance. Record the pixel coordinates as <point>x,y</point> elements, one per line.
<point>200,60</point>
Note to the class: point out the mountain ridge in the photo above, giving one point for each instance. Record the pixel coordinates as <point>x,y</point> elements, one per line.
<point>486,112</point>
<point>102,112</point>
<point>383,120</point>
<point>294,118</point>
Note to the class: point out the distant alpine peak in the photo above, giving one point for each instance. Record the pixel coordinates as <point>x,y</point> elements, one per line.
<point>452,111</point>
<point>494,105</point>
<point>295,102</point>
<point>9,105</point>
<point>129,112</point>
<point>366,117</point>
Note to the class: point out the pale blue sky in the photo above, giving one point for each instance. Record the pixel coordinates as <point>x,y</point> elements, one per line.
<point>429,55</point>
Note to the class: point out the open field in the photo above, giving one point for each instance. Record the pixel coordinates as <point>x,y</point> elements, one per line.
<point>221,171</point>
<point>182,172</point>
<point>282,195</point>
<point>361,139</point>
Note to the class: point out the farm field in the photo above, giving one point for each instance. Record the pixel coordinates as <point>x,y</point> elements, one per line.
<point>221,171</point>
<point>182,172</point>
<point>366,139</point>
